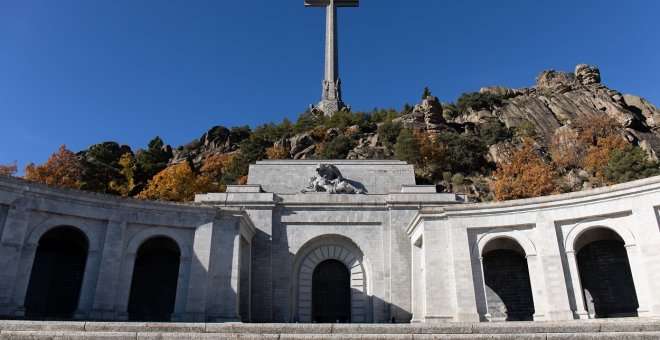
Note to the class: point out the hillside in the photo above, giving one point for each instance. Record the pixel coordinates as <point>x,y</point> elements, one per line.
<point>567,133</point>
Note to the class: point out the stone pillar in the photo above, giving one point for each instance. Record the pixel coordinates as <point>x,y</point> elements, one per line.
<point>11,247</point>
<point>580,312</point>
<point>223,302</point>
<point>555,290</point>
<point>103,307</point>
<point>536,282</point>
<point>399,266</point>
<point>639,278</point>
<point>484,314</point>
<point>181,289</point>
<point>23,278</point>
<point>88,287</point>
<point>418,290</point>
<point>440,291</point>
<point>262,282</point>
<point>466,300</point>
<point>198,287</point>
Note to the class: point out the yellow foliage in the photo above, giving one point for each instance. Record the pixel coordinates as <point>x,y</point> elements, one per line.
<point>128,168</point>
<point>277,152</point>
<point>62,168</point>
<point>598,155</point>
<point>590,129</point>
<point>433,154</point>
<point>212,166</point>
<point>8,170</point>
<point>178,183</point>
<point>523,175</point>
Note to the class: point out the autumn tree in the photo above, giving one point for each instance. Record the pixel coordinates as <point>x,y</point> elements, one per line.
<point>277,152</point>
<point>523,175</point>
<point>8,170</point>
<point>128,168</point>
<point>598,155</point>
<point>62,168</point>
<point>178,183</point>
<point>433,155</point>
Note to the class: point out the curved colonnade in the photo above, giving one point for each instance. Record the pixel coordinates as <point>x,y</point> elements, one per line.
<point>67,254</point>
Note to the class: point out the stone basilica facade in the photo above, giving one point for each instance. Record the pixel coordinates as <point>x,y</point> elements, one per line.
<point>351,241</point>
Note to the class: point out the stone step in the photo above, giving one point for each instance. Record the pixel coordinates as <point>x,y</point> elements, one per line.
<point>579,329</point>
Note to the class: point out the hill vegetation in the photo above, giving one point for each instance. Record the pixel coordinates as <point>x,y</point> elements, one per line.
<point>567,133</point>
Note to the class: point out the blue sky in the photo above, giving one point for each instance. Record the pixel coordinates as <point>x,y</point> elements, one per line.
<point>79,72</point>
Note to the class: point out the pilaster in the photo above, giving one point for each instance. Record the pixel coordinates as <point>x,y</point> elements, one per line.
<point>11,247</point>
<point>103,307</point>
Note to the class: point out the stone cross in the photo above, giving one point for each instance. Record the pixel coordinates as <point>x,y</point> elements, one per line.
<point>331,96</point>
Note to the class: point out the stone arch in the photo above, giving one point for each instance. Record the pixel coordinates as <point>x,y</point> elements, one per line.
<point>520,238</point>
<point>331,247</point>
<point>91,266</point>
<point>604,270</point>
<point>580,229</point>
<point>53,222</point>
<point>507,280</point>
<point>128,264</point>
<point>526,248</point>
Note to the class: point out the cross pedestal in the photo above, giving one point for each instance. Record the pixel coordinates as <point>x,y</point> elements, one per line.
<point>331,95</point>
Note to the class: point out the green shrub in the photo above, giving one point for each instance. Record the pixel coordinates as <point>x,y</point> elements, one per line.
<point>466,152</point>
<point>446,176</point>
<point>477,101</point>
<point>628,164</point>
<point>526,130</point>
<point>406,147</point>
<point>388,132</point>
<point>338,148</point>
<point>458,179</point>
<point>493,133</point>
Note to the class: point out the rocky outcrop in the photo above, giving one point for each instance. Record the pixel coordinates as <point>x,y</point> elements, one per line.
<point>370,147</point>
<point>218,140</point>
<point>426,115</point>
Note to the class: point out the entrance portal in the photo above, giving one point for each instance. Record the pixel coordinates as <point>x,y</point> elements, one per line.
<point>331,292</point>
<point>155,275</point>
<point>605,274</point>
<point>57,274</point>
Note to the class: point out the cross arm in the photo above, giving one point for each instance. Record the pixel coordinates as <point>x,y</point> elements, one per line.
<point>326,3</point>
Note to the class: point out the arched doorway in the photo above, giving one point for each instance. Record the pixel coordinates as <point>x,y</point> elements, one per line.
<point>506,276</point>
<point>331,292</point>
<point>155,275</point>
<point>605,275</point>
<point>57,274</point>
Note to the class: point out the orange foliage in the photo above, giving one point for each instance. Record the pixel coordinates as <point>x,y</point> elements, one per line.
<point>432,153</point>
<point>62,168</point>
<point>212,166</point>
<point>523,175</point>
<point>598,155</point>
<point>178,183</point>
<point>277,152</point>
<point>242,181</point>
<point>592,128</point>
<point>8,170</point>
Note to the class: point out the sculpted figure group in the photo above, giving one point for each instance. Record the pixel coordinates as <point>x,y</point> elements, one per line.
<point>330,180</point>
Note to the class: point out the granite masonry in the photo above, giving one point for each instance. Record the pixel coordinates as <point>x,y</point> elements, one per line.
<point>351,241</point>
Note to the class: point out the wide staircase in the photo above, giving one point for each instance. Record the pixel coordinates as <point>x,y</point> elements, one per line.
<point>630,328</point>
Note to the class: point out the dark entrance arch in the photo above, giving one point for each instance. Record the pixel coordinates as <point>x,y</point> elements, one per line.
<point>605,274</point>
<point>57,274</point>
<point>155,275</point>
<point>506,275</point>
<point>331,292</point>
